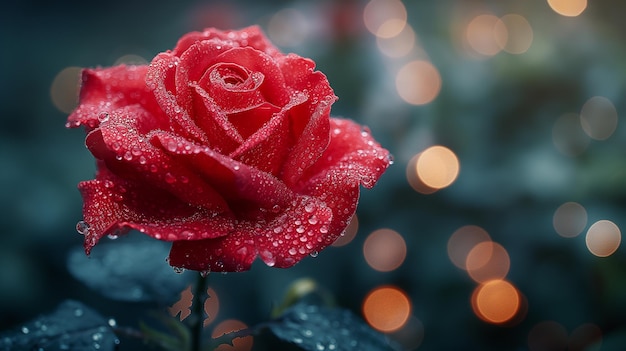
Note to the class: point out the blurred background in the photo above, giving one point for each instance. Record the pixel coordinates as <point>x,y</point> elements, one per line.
<point>497,228</point>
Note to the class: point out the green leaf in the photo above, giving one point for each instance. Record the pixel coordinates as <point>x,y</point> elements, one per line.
<point>130,268</point>
<point>318,328</point>
<point>72,326</point>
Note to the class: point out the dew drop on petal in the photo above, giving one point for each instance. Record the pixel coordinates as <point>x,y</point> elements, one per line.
<point>103,117</point>
<point>293,251</point>
<point>314,254</point>
<point>178,270</point>
<point>82,227</point>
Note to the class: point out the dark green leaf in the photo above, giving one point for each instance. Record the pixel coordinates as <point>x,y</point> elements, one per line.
<point>320,328</point>
<point>130,268</point>
<point>72,326</point>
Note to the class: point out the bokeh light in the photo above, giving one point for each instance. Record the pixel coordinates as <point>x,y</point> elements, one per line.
<point>211,306</point>
<point>481,34</point>
<point>229,326</point>
<point>603,238</point>
<point>570,219</point>
<point>598,118</point>
<point>496,301</point>
<point>399,45</point>
<point>513,34</point>
<point>288,27</point>
<point>64,89</point>
<point>386,308</point>
<point>437,167</point>
<point>569,8</point>
<point>385,18</point>
<point>348,235</point>
<point>130,59</point>
<point>462,241</point>
<point>418,82</point>
<point>547,335</point>
<point>568,136</point>
<point>414,181</point>
<point>487,260</point>
<point>384,250</point>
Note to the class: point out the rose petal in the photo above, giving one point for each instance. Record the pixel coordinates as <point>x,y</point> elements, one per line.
<point>354,153</point>
<point>106,89</point>
<point>113,205</point>
<point>251,36</point>
<point>310,145</point>
<point>249,192</point>
<point>267,148</point>
<point>129,154</point>
<point>232,253</point>
<point>160,78</point>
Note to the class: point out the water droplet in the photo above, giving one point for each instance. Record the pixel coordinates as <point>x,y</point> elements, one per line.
<point>154,168</point>
<point>169,178</point>
<point>103,117</point>
<point>172,146</point>
<point>142,160</point>
<point>116,146</point>
<point>268,258</point>
<point>323,229</point>
<point>319,346</point>
<point>300,229</point>
<point>96,336</point>
<point>293,251</point>
<point>179,270</point>
<point>313,220</point>
<point>112,322</point>
<point>297,340</point>
<point>82,227</point>
<point>112,236</point>
<point>278,230</point>
<point>236,167</point>
<point>314,254</point>
<point>307,332</point>
<point>78,312</point>
<point>25,330</point>
<point>309,207</point>
<point>205,273</point>
<point>275,208</point>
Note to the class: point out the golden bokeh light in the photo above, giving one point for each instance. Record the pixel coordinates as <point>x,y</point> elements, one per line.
<point>463,241</point>
<point>570,219</point>
<point>229,326</point>
<point>386,308</point>
<point>211,306</point>
<point>513,34</point>
<point>399,45</point>
<point>482,37</point>
<point>288,27</point>
<point>486,261</point>
<point>496,301</point>
<point>598,118</point>
<point>414,181</point>
<point>385,18</point>
<point>603,238</point>
<point>384,250</point>
<point>418,82</point>
<point>568,136</point>
<point>348,235</point>
<point>64,89</point>
<point>569,8</point>
<point>437,167</point>
<point>547,335</point>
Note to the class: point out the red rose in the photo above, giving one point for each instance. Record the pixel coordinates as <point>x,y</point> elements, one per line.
<point>223,146</point>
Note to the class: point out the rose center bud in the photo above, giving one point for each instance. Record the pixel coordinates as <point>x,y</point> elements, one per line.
<point>234,77</point>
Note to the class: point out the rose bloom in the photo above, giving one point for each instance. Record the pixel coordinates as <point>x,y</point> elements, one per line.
<point>225,147</point>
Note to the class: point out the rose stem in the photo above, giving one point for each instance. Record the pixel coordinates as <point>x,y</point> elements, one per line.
<point>197,312</point>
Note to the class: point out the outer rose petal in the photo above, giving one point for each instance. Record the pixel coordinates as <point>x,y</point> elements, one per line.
<point>283,242</point>
<point>106,89</point>
<point>113,204</point>
<point>251,36</point>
